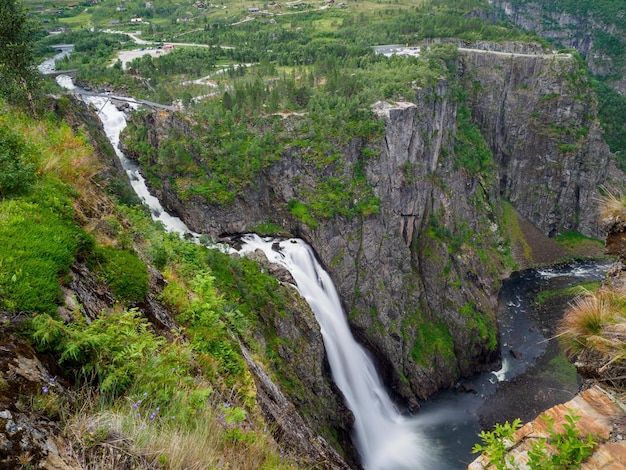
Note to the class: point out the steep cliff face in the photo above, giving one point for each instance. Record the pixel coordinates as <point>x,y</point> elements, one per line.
<point>418,279</point>
<point>587,34</point>
<point>538,116</point>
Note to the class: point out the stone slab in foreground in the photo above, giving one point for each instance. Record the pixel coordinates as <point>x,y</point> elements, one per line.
<point>600,415</point>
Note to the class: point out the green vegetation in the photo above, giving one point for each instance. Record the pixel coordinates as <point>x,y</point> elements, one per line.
<point>544,296</point>
<point>514,231</point>
<point>486,327</point>
<point>38,246</point>
<point>18,163</point>
<point>433,340</point>
<point>562,450</point>
<point>153,394</point>
<point>184,402</point>
<point>612,115</point>
<point>496,442</point>
<point>470,149</point>
<point>18,70</point>
<point>123,271</point>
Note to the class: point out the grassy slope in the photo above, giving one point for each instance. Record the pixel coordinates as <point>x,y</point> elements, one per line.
<point>178,404</point>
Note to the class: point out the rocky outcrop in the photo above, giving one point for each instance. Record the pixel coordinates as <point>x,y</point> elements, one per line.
<point>537,114</point>
<point>30,400</point>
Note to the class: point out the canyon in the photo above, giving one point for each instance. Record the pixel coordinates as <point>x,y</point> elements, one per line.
<point>419,279</point>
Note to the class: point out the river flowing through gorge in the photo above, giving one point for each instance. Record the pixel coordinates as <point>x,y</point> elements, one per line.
<point>441,435</point>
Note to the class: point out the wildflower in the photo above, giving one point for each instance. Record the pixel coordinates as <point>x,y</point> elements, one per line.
<point>138,415</point>
<point>153,415</point>
<point>52,379</point>
<point>145,394</point>
<point>44,389</point>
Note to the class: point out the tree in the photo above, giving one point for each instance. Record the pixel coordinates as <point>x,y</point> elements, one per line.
<point>18,72</point>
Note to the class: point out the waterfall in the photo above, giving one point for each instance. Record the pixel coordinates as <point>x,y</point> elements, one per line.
<point>114,122</point>
<point>385,439</point>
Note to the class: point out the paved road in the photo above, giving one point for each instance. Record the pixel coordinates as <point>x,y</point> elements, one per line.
<point>566,55</point>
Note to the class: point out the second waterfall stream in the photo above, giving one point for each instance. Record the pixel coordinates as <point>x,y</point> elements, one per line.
<point>385,439</point>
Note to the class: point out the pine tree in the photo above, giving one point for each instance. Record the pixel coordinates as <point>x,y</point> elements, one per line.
<point>19,77</point>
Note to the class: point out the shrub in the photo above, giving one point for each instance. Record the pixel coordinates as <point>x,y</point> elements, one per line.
<point>559,451</point>
<point>17,163</point>
<point>37,245</point>
<point>123,271</point>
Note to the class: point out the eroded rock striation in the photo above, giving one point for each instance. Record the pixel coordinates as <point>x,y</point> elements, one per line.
<point>538,116</point>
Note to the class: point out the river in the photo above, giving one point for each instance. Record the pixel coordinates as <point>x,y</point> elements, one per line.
<point>441,435</point>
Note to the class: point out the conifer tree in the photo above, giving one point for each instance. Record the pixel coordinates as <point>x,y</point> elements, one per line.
<point>19,77</point>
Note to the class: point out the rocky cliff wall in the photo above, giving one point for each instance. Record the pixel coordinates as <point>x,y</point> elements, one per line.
<point>418,279</point>
<point>538,116</point>
<point>571,31</point>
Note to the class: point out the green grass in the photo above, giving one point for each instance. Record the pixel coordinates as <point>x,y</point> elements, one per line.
<point>576,240</point>
<point>125,274</point>
<point>82,20</point>
<point>513,230</point>
<point>328,24</point>
<point>38,244</point>
<point>546,295</point>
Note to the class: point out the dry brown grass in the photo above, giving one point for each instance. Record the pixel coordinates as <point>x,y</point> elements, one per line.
<point>596,324</point>
<point>115,438</point>
<point>612,203</point>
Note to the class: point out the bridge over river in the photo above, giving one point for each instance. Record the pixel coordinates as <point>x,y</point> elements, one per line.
<point>151,104</point>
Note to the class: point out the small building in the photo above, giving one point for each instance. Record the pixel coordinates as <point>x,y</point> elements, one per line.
<point>115,23</point>
<point>253,10</point>
<point>136,20</point>
<point>121,8</point>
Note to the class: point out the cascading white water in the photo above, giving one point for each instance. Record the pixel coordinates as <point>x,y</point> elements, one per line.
<point>114,122</point>
<point>385,439</point>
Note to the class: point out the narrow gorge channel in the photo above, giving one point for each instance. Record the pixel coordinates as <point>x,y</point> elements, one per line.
<point>443,432</point>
